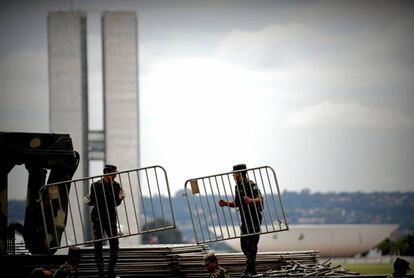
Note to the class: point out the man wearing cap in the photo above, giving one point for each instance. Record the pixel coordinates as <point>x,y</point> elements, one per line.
<point>401,268</point>
<point>249,200</point>
<point>105,195</point>
<point>69,269</point>
<point>216,271</point>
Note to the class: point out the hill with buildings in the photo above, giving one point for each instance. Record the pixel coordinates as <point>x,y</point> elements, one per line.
<point>306,208</point>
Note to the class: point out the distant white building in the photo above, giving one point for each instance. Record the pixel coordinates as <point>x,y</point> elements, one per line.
<point>68,90</point>
<point>68,87</point>
<point>332,240</point>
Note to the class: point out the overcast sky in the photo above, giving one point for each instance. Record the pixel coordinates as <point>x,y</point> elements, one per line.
<point>321,91</point>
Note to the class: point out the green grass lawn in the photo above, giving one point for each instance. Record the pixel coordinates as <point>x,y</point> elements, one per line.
<point>370,268</point>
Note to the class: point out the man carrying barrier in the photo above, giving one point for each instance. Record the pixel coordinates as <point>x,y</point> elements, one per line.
<point>213,266</point>
<point>250,201</point>
<point>105,195</point>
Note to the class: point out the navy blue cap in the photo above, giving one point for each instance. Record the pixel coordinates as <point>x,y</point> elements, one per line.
<point>109,169</point>
<point>239,167</point>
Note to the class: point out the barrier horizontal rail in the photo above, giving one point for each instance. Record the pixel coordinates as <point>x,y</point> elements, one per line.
<point>147,207</point>
<point>212,223</point>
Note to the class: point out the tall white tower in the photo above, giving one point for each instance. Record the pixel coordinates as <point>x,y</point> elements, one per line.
<point>68,91</point>
<point>69,94</point>
<point>120,75</point>
<point>120,86</point>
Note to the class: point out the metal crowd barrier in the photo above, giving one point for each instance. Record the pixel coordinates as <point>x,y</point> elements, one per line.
<point>213,223</point>
<point>146,208</point>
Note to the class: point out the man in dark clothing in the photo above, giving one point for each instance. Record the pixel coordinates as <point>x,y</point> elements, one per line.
<point>249,201</point>
<point>105,195</point>
<point>70,268</point>
<point>401,268</point>
<point>213,266</point>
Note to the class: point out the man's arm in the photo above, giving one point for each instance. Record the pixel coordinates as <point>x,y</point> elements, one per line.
<point>258,200</point>
<point>120,194</point>
<point>90,198</point>
<point>223,203</point>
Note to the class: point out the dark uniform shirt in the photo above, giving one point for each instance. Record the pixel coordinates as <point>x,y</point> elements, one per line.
<point>219,272</point>
<point>66,271</point>
<point>250,214</point>
<point>105,198</point>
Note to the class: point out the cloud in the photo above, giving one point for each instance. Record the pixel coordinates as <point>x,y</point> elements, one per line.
<point>345,61</point>
<point>334,115</point>
<point>273,46</point>
<point>24,92</point>
<point>373,56</point>
<point>195,108</point>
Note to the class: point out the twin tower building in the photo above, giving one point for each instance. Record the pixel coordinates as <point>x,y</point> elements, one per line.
<point>68,86</point>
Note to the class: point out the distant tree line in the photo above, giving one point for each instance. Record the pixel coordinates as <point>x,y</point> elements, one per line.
<point>161,237</point>
<point>300,207</point>
<point>350,208</point>
<point>403,246</point>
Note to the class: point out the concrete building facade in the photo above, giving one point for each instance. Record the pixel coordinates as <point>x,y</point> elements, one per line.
<point>67,50</point>
<point>68,90</point>
<point>120,88</point>
<point>120,75</point>
<point>68,85</point>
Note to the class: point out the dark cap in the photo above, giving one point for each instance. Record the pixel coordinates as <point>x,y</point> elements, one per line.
<point>109,169</point>
<point>401,264</point>
<point>239,167</point>
<point>210,257</point>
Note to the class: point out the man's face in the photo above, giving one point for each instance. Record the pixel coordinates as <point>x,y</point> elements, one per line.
<point>109,178</point>
<point>211,266</point>
<point>237,177</point>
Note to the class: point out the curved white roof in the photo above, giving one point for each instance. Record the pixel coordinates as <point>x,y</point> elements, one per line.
<point>331,240</point>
